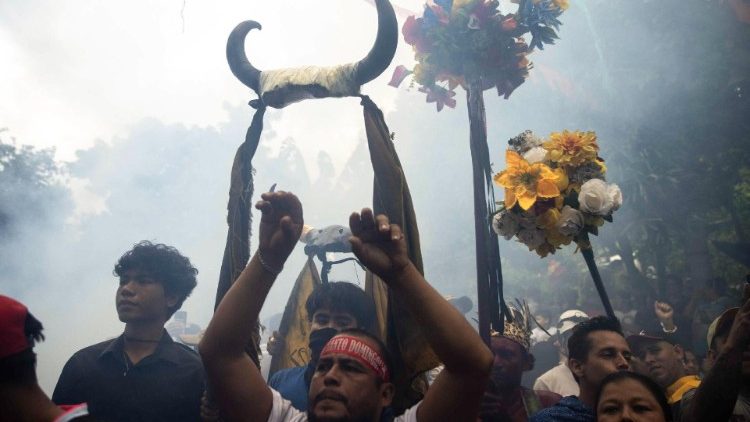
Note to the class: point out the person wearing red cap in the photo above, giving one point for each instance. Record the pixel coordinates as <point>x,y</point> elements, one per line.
<point>724,394</point>
<point>21,398</point>
<point>143,374</point>
<point>352,381</point>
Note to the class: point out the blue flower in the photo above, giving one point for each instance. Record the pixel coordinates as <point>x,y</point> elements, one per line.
<point>541,20</point>
<point>447,5</point>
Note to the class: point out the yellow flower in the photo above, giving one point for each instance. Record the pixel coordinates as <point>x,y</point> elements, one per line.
<point>572,148</point>
<point>555,238</point>
<point>601,165</point>
<point>548,219</point>
<point>562,179</point>
<point>545,249</point>
<point>562,4</point>
<point>592,220</point>
<point>524,182</point>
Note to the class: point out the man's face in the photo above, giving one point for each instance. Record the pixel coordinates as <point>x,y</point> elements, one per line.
<point>344,389</point>
<point>638,366</point>
<point>510,362</point>
<point>140,298</point>
<point>692,366</point>
<point>663,361</point>
<point>326,318</point>
<point>609,353</point>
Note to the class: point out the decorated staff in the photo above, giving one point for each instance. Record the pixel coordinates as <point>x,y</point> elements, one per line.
<point>556,194</point>
<point>391,196</point>
<point>469,43</point>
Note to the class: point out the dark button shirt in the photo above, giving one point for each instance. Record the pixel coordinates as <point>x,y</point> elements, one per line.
<point>292,385</point>
<point>165,386</point>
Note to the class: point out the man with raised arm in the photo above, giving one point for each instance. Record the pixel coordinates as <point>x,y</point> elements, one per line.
<point>352,379</point>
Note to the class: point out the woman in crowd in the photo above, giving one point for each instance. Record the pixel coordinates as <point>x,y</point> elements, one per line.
<point>628,396</point>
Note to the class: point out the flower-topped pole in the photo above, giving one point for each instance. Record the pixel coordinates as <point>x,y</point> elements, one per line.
<point>470,43</point>
<point>555,195</point>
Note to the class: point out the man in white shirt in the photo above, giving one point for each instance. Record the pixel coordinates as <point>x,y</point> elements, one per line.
<point>352,379</point>
<point>560,379</point>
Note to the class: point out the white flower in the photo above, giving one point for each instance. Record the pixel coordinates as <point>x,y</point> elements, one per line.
<point>535,155</point>
<point>525,141</point>
<point>595,198</point>
<point>615,194</point>
<point>533,238</point>
<point>505,224</point>
<point>570,221</point>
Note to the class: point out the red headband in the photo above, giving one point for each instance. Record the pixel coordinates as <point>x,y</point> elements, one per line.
<point>359,350</point>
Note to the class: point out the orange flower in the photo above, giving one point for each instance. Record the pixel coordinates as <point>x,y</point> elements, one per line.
<point>524,182</point>
<point>572,148</point>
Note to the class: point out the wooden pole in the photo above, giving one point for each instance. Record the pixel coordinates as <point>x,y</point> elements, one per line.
<point>489,274</point>
<point>588,255</point>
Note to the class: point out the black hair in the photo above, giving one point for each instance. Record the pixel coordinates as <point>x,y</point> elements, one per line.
<point>165,264</point>
<point>647,382</point>
<point>358,332</point>
<point>19,368</point>
<point>579,342</point>
<point>340,296</point>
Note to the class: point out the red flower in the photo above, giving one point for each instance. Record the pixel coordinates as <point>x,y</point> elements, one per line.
<point>399,74</point>
<point>509,24</point>
<point>414,35</point>
<point>412,30</point>
<point>440,96</point>
<point>484,10</point>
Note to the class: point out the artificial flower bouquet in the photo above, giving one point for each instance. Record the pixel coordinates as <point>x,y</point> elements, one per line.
<point>457,42</point>
<point>555,191</point>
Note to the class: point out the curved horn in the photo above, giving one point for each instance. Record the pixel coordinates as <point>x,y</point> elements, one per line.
<point>382,52</point>
<point>238,62</point>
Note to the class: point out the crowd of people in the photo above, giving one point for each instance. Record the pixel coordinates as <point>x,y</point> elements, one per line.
<point>584,368</point>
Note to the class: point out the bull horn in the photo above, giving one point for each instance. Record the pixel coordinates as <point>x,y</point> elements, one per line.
<point>238,62</point>
<point>382,52</point>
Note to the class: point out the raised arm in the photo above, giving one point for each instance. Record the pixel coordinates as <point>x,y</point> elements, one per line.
<point>716,396</point>
<point>235,381</point>
<point>380,246</point>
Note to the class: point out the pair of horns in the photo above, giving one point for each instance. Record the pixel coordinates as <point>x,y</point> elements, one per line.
<point>367,69</point>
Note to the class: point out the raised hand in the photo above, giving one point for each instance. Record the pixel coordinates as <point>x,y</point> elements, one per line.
<point>280,226</point>
<point>378,244</point>
<point>663,311</point>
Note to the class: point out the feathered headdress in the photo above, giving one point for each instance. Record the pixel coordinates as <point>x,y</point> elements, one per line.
<point>518,326</point>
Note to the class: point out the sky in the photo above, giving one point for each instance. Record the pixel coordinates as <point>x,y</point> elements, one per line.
<point>138,101</point>
<point>84,76</point>
<point>90,69</point>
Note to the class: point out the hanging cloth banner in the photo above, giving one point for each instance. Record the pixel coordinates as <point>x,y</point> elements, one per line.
<point>239,220</point>
<point>412,355</point>
<point>294,329</point>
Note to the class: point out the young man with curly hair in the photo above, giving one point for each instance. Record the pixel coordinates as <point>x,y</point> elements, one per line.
<point>142,374</point>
